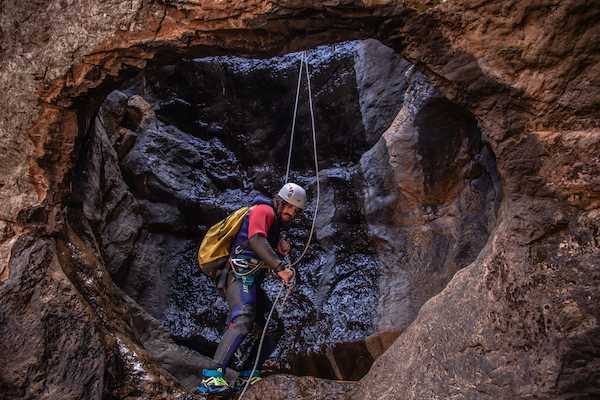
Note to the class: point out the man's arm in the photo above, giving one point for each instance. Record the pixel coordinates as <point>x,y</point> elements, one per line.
<point>263,250</point>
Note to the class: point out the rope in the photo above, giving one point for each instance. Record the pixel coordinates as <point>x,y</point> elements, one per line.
<point>314,135</point>
<point>264,332</point>
<point>302,60</point>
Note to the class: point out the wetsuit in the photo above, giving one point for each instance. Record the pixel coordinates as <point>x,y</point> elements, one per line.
<point>248,302</point>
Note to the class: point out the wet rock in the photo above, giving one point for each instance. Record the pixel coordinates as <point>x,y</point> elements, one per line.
<point>152,271</point>
<point>216,97</point>
<point>161,217</point>
<point>199,173</point>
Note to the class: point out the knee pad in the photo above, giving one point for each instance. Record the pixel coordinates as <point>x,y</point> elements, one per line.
<point>244,320</point>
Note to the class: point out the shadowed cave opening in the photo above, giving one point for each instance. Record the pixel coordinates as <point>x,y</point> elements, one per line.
<point>409,194</point>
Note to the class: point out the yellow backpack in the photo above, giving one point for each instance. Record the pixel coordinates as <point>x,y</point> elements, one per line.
<point>216,246</point>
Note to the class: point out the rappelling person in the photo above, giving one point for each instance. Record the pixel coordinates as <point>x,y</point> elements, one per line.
<point>258,246</point>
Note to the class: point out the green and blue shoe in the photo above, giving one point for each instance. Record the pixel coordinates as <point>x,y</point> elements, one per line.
<point>243,378</point>
<point>213,383</point>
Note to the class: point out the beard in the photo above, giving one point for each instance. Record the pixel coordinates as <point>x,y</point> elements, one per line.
<point>283,225</point>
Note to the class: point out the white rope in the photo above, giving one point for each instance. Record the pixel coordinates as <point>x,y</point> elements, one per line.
<point>302,60</point>
<point>314,135</point>
<point>264,332</point>
<point>304,63</point>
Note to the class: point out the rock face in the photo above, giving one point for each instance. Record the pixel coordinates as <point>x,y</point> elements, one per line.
<point>549,350</point>
<point>37,299</point>
<point>520,320</point>
<point>58,346</point>
<point>183,182</point>
<point>179,183</point>
<point>431,197</point>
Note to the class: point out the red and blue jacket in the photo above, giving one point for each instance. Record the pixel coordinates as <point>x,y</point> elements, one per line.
<point>261,220</point>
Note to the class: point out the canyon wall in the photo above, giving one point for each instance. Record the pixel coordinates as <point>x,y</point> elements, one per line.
<point>520,321</point>
<point>180,146</point>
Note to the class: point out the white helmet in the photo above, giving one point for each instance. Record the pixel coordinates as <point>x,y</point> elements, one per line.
<point>293,194</point>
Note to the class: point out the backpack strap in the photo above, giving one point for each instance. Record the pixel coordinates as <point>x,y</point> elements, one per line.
<point>223,277</point>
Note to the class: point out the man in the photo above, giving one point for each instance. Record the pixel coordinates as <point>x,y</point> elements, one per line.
<point>258,243</point>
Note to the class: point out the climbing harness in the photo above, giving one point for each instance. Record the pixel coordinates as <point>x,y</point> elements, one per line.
<point>243,264</point>
<point>304,63</point>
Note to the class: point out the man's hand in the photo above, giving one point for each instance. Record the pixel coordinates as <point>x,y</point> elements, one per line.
<point>286,275</point>
<point>283,247</point>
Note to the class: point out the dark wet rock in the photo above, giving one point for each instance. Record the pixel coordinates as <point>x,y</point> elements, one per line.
<point>153,270</point>
<point>218,98</point>
<point>161,217</point>
<point>199,173</point>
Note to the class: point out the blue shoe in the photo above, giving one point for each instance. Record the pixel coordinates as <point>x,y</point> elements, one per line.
<point>243,378</point>
<point>214,384</point>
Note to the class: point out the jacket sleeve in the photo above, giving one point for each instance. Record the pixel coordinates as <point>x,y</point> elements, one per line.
<point>263,250</point>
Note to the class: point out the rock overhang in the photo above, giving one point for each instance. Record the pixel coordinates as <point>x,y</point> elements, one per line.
<point>436,37</point>
<point>528,105</point>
